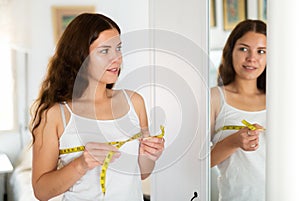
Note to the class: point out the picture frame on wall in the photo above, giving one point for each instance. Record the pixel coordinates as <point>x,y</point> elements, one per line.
<point>234,11</point>
<point>63,15</point>
<point>213,22</point>
<point>262,10</point>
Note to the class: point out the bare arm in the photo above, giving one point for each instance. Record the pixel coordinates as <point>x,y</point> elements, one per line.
<point>150,148</point>
<point>47,181</point>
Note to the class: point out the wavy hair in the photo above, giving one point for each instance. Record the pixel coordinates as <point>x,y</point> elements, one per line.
<point>70,57</point>
<point>226,73</point>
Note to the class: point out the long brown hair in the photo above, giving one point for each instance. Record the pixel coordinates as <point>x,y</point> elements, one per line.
<point>226,71</point>
<point>70,57</point>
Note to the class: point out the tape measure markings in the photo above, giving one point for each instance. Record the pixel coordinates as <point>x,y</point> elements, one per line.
<point>250,126</point>
<point>110,154</point>
<point>234,127</point>
<point>71,150</point>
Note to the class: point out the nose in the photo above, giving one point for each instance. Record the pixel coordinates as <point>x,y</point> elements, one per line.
<point>251,56</point>
<point>116,56</point>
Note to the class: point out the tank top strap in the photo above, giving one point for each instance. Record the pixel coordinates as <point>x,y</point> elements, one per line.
<point>222,96</point>
<point>128,98</point>
<point>63,116</point>
<point>68,107</point>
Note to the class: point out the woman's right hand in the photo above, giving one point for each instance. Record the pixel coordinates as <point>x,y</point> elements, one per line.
<point>247,139</point>
<point>94,155</point>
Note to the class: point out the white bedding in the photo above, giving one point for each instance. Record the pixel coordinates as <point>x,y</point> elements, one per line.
<point>19,185</point>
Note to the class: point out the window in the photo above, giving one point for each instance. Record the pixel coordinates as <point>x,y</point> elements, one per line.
<point>7,88</point>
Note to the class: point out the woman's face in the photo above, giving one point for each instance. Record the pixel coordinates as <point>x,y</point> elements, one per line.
<point>249,55</point>
<point>105,57</point>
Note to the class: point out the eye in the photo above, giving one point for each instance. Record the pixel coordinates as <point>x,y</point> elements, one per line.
<point>261,51</point>
<point>119,48</point>
<point>103,51</point>
<point>244,49</point>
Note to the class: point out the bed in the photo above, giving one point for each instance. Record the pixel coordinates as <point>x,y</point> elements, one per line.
<point>19,186</point>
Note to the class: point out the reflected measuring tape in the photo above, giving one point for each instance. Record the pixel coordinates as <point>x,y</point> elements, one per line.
<point>233,127</point>
<point>110,154</point>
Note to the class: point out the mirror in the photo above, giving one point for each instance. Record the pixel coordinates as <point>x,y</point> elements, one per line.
<point>220,27</point>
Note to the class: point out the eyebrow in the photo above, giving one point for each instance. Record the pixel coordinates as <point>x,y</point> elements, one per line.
<point>108,46</point>
<point>249,46</point>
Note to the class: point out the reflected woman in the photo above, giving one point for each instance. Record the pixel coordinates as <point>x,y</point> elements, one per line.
<point>239,151</point>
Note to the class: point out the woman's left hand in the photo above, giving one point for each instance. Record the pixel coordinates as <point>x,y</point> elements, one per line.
<point>152,147</point>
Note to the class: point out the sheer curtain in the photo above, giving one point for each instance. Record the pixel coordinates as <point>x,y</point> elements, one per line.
<point>7,100</point>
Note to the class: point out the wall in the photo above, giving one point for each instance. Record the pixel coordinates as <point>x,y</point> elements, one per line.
<point>180,57</point>
<point>283,99</point>
<point>217,34</point>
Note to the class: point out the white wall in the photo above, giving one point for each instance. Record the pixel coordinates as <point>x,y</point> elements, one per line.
<point>180,61</point>
<point>283,99</point>
<point>218,35</point>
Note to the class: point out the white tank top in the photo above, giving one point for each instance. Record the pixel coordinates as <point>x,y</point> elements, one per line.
<point>242,175</point>
<point>123,179</point>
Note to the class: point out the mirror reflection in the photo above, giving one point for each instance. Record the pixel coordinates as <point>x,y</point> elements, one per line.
<point>228,97</point>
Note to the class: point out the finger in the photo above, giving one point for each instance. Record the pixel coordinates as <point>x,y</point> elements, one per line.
<point>258,127</point>
<point>246,138</point>
<point>115,156</point>
<point>151,153</point>
<point>154,145</point>
<point>252,137</point>
<point>153,139</point>
<point>253,132</point>
<point>254,146</point>
<point>152,149</point>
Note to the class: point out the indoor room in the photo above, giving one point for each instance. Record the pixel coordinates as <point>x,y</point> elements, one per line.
<point>171,52</point>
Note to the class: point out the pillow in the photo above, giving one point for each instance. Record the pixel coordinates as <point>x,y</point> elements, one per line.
<point>24,161</point>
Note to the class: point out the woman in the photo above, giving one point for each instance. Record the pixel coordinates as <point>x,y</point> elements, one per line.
<point>238,151</point>
<point>77,114</point>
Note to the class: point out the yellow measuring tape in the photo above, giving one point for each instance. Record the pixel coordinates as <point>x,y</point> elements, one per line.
<point>110,154</point>
<point>233,127</point>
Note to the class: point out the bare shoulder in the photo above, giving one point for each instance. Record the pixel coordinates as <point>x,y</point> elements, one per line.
<point>214,91</point>
<point>53,114</point>
<point>214,94</point>
<point>215,99</point>
<point>51,120</point>
<point>135,97</point>
<point>139,105</point>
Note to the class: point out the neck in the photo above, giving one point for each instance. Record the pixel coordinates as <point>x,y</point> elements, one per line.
<point>244,86</point>
<point>96,92</point>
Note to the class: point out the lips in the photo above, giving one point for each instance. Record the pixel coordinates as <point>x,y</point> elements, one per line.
<point>113,70</point>
<point>250,67</point>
